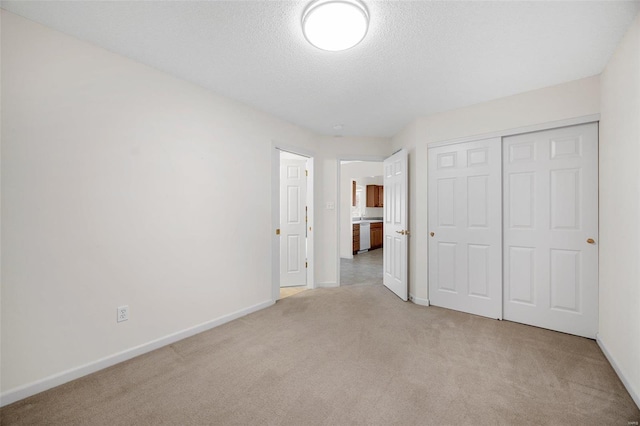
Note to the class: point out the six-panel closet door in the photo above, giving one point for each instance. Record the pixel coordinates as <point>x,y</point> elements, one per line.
<point>550,217</point>
<point>465,227</point>
<point>513,228</point>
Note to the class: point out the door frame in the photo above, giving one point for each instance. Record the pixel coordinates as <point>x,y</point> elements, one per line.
<point>374,158</point>
<point>276,148</point>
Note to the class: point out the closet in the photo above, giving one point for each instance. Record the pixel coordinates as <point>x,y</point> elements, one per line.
<point>513,226</point>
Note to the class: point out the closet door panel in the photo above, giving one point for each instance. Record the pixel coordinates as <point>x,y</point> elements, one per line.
<point>465,253</point>
<point>550,212</point>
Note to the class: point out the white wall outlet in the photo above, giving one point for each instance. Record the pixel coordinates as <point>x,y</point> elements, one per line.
<point>331,205</point>
<point>123,313</point>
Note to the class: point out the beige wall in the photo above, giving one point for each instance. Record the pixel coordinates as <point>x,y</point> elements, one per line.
<point>619,328</point>
<point>568,100</point>
<point>122,185</point>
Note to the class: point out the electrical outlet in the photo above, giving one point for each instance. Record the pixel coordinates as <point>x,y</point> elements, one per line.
<point>123,313</point>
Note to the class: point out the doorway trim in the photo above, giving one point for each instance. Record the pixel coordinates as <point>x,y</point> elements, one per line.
<point>276,148</point>
<point>375,158</point>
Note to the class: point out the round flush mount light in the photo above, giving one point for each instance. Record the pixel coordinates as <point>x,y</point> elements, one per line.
<point>335,25</point>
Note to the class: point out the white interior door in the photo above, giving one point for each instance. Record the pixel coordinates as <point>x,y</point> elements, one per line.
<point>396,234</point>
<point>551,229</point>
<point>293,236</point>
<point>465,226</point>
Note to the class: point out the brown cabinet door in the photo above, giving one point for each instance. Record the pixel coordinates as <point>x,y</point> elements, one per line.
<point>353,193</point>
<point>375,196</point>
<point>356,238</point>
<point>372,195</point>
<point>376,235</point>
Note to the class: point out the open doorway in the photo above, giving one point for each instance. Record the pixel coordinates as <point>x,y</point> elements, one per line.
<point>361,222</point>
<point>294,226</point>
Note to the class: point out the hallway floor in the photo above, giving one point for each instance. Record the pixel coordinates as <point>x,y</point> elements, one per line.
<point>290,291</point>
<point>364,268</point>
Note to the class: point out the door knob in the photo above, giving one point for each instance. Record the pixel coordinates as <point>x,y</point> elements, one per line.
<point>591,241</point>
<point>400,232</point>
<point>433,234</point>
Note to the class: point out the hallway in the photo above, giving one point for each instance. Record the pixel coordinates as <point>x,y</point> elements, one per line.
<point>364,268</point>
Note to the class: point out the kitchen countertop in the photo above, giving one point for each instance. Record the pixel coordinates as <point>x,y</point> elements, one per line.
<point>374,220</point>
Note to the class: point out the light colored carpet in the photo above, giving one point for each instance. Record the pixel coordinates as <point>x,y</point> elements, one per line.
<point>349,355</point>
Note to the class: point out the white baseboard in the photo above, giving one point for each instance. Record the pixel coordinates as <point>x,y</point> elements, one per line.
<point>418,301</point>
<point>327,285</point>
<point>58,379</point>
<point>635,395</point>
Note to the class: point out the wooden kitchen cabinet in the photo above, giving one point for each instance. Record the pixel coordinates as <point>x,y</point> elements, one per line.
<point>377,235</point>
<point>356,238</point>
<point>375,196</point>
<point>353,193</point>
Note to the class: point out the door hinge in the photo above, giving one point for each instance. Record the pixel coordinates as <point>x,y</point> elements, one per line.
<point>278,231</point>
<point>306,172</point>
<point>306,264</point>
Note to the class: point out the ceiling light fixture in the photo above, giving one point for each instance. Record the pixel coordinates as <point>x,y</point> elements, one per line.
<point>335,25</point>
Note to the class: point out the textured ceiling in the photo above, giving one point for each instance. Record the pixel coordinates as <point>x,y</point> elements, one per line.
<point>419,57</point>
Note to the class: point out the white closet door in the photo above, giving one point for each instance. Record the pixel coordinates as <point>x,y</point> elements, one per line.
<point>465,227</point>
<point>551,229</point>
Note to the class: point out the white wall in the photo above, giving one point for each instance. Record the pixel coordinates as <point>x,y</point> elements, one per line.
<point>121,185</point>
<point>619,328</point>
<point>353,171</point>
<point>568,100</point>
<point>124,185</point>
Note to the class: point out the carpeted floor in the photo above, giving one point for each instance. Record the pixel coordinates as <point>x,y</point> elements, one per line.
<point>349,355</point>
